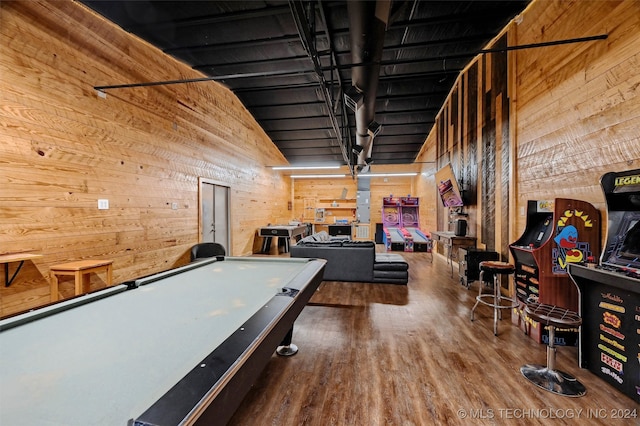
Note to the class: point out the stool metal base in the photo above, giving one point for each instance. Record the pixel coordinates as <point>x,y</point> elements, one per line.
<point>494,299</point>
<point>287,350</point>
<point>497,301</point>
<point>555,381</point>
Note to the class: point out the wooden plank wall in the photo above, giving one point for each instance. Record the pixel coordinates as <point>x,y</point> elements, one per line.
<point>577,105</point>
<point>62,148</point>
<point>472,133</point>
<point>320,189</point>
<point>565,115</point>
<point>399,186</point>
<point>425,187</point>
<point>574,114</point>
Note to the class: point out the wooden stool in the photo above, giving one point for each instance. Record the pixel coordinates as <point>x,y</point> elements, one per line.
<point>496,299</point>
<point>80,270</point>
<point>547,377</point>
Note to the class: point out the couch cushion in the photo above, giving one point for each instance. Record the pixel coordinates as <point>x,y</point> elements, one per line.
<point>321,236</point>
<point>391,277</point>
<point>344,263</point>
<point>390,267</point>
<point>318,236</point>
<point>389,258</point>
<point>356,244</point>
<point>306,239</point>
<point>319,243</point>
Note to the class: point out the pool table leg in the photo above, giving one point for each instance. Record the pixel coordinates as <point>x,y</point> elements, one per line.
<point>287,348</point>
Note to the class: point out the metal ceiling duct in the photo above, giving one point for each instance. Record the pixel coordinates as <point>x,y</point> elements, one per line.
<point>368,23</point>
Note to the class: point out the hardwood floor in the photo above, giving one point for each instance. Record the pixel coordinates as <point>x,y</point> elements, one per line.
<point>382,354</point>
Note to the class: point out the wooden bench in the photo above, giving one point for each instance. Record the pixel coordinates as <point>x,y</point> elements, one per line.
<point>81,270</point>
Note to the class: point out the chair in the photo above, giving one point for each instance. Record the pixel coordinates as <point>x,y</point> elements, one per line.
<point>205,250</point>
<point>547,377</point>
<point>494,300</point>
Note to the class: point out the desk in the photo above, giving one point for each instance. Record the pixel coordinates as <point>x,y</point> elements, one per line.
<point>81,270</point>
<point>286,232</point>
<point>179,346</point>
<point>15,257</point>
<point>448,243</point>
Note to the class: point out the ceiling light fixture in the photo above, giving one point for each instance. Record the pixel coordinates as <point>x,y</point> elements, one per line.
<point>369,175</point>
<point>316,176</point>
<point>374,128</point>
<point>353,98</point>
<point>304,167</point>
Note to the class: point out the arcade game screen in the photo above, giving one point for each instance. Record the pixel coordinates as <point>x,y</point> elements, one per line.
<point>537,232</point>
<point>623,249</point>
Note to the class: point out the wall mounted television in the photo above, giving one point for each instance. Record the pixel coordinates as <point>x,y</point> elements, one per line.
<point>448,188</point>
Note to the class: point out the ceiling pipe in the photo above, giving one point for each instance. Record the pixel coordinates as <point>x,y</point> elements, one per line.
<point>367,22</point>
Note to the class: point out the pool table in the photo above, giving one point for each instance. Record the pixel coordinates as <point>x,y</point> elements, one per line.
<point>179,347</point>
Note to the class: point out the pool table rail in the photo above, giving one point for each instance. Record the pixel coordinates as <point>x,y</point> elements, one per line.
<point>206,392</point>
<point>212,391</point>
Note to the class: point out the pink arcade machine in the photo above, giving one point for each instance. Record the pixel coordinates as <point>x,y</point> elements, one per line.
<point>410,223</point>
<point>401,221</point>
<point>393,236</point>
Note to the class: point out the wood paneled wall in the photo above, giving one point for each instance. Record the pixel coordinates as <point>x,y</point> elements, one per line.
<point>399,186</point>
<point>577,105</point>
<point>425,187</point>
<point>63,147</point>
<point>472,133</point>
<point>542,123</point>
<point>573,114</point>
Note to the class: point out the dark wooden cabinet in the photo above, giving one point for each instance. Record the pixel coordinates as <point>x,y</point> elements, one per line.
<point>469,259</point>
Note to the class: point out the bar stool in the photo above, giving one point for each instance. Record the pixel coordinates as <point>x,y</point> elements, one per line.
<point>547,377</point>
<point>496,299</point>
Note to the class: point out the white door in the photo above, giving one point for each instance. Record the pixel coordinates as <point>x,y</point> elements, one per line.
<point>215,214</point>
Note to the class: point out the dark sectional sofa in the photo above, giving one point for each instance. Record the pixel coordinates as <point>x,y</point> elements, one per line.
<point>353,260</point>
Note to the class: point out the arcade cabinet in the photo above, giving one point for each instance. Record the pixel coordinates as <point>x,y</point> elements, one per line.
<point>557,232</point>
<point>393,236</point>
<point>410,222</point>
<point>610,290</point>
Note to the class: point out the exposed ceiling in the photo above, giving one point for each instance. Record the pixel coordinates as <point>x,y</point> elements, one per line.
<point>290,63</point>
